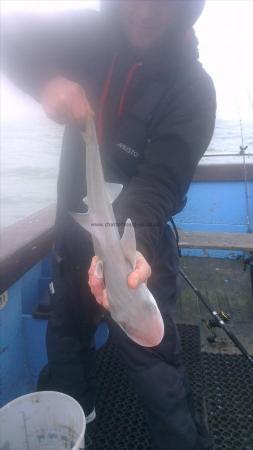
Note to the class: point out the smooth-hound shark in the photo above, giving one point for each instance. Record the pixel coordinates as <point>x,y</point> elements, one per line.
<point>134,310</point>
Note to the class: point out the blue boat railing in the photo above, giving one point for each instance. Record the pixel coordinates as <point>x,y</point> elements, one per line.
<point>216,202</point>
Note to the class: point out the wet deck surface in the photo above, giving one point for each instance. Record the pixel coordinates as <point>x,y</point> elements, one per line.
<point>228,288</point>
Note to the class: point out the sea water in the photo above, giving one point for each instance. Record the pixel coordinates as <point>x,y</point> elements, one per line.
<point>30,151</point>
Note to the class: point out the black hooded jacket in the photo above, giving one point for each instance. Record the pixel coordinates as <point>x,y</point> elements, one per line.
<point>155,113</point>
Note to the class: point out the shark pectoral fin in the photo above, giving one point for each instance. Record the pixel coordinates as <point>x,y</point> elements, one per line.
<point>83,219</point>
<point>113,190</point>
<point>85,200</point>
<point>128,243</point>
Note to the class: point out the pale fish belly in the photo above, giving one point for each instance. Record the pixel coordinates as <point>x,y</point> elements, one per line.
<point>145,324</point>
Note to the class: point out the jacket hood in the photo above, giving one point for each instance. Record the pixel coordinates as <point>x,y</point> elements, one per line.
<point>180,46</point>
<point>188,11</point>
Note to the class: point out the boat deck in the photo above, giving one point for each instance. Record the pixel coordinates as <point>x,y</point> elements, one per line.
<point>228,288</point>
<point>221,379</point>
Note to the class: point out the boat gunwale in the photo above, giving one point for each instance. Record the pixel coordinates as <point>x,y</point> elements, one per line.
<point>26,242</point>
<point>230,168</point>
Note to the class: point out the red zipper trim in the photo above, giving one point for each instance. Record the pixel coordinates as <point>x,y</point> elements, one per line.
<point>102,102</point>
<point>125,90</point>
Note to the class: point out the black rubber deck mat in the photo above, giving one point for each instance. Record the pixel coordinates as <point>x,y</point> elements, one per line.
<point>120,423</point>
<point>229,399</point>
<point>222,386</point>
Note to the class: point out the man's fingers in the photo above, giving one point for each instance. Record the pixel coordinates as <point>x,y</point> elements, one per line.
<point>98,290</point>
<point>80,109</point>
<point>65,102</point>
<point>141,273</point>
<point>55,113</point>
<point>103,300</point>
<point>94,261</point>
<point>96,282</point>
<point>99,270</point>
<point>58,109</point>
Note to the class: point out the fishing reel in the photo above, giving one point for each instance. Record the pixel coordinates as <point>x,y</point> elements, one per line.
<point>214,323</point>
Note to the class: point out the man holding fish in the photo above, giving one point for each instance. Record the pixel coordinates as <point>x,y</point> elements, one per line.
<point>134,68</point>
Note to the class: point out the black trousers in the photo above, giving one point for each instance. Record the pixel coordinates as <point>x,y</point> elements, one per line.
<point>157,373</point>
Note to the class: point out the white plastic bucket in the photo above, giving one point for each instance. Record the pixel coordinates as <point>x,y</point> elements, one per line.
<point>42,421</point>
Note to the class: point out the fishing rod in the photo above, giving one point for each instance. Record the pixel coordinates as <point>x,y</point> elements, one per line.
<point>248,260</point>
<point>218,319</point>
<point>243,148</point>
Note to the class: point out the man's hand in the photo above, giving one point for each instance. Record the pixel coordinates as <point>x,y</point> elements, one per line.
<point>96,281</point>
<point>65,102</point>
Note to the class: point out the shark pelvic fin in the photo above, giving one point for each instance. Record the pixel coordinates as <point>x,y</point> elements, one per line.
<point>82,219</point>
<point>113,191</point>
<point>128,243</point>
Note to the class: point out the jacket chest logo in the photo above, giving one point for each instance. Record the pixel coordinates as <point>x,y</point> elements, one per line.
<point>128,150</point>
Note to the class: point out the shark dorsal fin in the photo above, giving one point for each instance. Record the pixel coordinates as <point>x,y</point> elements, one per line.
<point>82,219</point>
<point>113,191</point>
<point>128,243</point>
